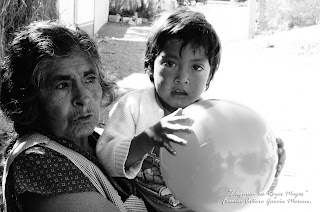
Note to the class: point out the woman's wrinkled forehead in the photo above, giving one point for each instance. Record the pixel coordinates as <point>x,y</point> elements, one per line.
<point>56,66</point>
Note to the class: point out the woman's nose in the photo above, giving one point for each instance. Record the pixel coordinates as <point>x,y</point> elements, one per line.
<point>81,96</point>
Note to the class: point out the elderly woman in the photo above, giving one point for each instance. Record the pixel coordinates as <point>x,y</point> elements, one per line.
<point>52,90</point>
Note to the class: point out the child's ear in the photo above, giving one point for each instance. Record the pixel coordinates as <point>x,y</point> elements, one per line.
<point>149,70</point>
<point>208,84</point>
<point>150,73</point>
<point>210,77</point>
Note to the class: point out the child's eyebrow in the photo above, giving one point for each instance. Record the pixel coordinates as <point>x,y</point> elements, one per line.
<point>202,59</point>
<point>168,55</point>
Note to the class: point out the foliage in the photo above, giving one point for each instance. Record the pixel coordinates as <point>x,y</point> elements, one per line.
<point>144,11</point>
<point>154,8</point>
<point>115,6</point>
<point>16,13</point>
<point>13,15</point>
<point>127,13</point>
<point>145,8</point>
<point>287,14</point>
<point>6,133</point>
<point>239,1</point>
<point>201,1</point>
<point>130,8</point>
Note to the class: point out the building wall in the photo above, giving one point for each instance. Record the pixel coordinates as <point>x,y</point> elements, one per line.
<point>101,14</point>
<point>168,5</point>
<point>84,15</point>
<point>89,15</point>
<point>164,5</point>
<point>66,11</point>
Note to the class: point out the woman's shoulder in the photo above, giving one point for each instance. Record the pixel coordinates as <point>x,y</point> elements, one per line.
<point>44,171</point>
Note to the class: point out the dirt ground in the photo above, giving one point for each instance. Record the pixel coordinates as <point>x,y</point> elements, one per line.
<point>120,57</point>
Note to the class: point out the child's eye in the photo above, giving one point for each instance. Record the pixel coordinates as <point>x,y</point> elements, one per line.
<point>197,68</point>
<point>170,64</point>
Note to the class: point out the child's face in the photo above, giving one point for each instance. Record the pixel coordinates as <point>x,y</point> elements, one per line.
<point>180,76</point>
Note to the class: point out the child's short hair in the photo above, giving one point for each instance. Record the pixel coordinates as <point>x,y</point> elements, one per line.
<point>188,26</point>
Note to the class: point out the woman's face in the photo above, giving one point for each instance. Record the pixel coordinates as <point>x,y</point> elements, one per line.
<point>71,99</point>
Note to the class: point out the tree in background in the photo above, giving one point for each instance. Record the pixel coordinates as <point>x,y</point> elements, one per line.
<point>13,15</point>
<point>17,13</point>
<point>279,15</point>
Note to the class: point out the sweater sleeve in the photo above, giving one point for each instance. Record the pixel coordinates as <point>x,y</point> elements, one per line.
<point>113,145</point>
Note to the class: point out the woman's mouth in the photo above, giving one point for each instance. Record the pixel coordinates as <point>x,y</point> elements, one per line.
<point>84,118</point>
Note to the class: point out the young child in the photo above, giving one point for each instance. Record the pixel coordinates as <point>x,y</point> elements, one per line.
<point>182,55</point>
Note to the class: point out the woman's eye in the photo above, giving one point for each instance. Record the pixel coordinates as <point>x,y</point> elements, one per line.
<point>91,79</point>
<point>170,64</point>
<point>197,68</point>
<point>63,86</point>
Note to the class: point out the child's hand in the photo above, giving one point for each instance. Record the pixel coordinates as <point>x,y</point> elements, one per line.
<point>281,156</point>
<point>281,161</point>
<point>162,132</point>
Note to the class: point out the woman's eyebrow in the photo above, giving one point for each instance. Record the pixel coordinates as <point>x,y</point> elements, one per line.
<point>89,72</point>
<point>59,77</point>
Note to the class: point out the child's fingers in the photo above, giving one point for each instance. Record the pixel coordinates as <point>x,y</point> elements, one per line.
<point>176,139</point>
<point>280,143</point>
<point>279,168</point>
<point>169,148</point>
<point>282,156</point>
<point>178,127</point>
<point>178,118</point>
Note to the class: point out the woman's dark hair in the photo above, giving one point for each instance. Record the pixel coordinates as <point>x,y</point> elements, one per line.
<point>32,53</point>
<point>190,27</point>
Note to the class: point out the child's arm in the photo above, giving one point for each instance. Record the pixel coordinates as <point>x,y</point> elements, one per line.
<point>134,127</point>
<point>161,134</point>
<point>113,145</point>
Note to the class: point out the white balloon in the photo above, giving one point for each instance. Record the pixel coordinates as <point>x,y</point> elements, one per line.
<point>231,156</point>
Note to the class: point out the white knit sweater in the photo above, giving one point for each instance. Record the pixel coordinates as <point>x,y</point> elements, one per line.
<point>130,116</point>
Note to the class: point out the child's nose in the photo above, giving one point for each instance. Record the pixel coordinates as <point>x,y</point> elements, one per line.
<point>182,78</point>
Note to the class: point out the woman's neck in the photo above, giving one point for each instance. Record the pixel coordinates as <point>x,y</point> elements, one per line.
<point>84,144</point>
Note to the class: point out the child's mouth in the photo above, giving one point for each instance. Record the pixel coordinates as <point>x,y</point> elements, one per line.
<point>179,93</point>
